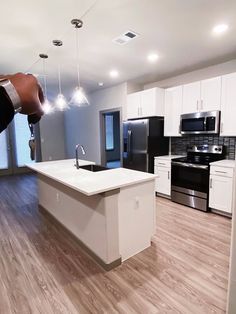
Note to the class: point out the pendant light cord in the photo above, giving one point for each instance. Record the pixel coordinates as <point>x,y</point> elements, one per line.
<point>77,53</point>
<point>45,80</point>
<point>59,78</point>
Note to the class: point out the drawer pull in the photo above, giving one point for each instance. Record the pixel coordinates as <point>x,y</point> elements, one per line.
<point>161,163</point>
<point>168,175</point>
<point>220,171</point>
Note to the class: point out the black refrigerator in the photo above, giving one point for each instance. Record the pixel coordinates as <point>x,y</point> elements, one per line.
<point>143,139</point>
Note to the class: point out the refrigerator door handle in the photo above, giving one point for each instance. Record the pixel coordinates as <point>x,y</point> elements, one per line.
<point>129,143</point>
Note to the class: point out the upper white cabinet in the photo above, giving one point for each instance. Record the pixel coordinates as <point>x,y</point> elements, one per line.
<point>202,96</point>
<point>173,109</point>
<point>211,94</point>
<point>228,105</point>
<point>191,97</point>
<point>146,103</point>
<point>133,105</point>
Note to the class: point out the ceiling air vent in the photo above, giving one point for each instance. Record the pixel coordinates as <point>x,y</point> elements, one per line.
<point>125,38</point>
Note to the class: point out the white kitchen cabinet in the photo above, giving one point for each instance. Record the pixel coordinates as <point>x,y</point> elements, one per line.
<point>173,109</point>
<point>228,105</point>
<point>210,94</point>
<point>191,97</point>
<point>202,95</point>
<point>133,105</point>
<point>221,188</point>
<point>146,103</point>
<point>163,180</point>
<point>162,168</point>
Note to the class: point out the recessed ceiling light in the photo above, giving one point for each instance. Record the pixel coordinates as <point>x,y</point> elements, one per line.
<point>114,73</point>
<point>100,84</point>
<point>221,28</point>
<point>152,57</point>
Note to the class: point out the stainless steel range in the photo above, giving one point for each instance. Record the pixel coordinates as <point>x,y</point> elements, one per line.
<point>190,175</point>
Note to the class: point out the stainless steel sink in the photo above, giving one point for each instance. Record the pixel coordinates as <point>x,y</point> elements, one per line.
<point>94,168</point>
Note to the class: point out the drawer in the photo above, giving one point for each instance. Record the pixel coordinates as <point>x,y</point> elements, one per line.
<point>162,163</point>
<point>221,171</point>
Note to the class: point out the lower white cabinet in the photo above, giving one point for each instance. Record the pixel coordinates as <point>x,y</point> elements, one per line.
<point>162,168</point>
<point>163,180</point>
<point>221,189</point>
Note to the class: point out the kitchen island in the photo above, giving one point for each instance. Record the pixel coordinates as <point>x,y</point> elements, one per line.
<point>111,213</point>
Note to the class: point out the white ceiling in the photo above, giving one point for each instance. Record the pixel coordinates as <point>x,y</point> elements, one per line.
<point>178,30</point>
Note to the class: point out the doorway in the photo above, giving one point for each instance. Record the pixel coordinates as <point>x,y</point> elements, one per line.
<point>111,138</point>
<point>14,147</point>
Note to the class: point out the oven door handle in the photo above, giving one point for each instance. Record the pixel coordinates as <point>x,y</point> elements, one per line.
<point>187,165</point>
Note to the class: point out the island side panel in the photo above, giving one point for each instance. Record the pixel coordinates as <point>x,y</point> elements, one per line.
<point>137,218</point>
<point>84,216</point>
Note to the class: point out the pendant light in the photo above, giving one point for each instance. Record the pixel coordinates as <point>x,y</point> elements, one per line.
<point>60,102</point>
<point>47,106</point>
<point>78,98</point>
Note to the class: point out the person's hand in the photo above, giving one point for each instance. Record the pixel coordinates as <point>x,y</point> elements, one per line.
<point>30,93</point>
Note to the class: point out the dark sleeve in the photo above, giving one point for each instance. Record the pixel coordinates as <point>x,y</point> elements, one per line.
<point>6,110</point>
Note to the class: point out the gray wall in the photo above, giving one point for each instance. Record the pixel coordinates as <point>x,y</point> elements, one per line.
<point>82,125</point>
<point>52,133</point>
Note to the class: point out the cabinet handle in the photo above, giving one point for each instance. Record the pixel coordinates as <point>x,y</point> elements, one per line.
<point>168,175</point>
<point>210,183</point>
<point>138,111</point>
<point>220,171</point>
<point>197,106</point>
<point>221,127</point>
<point>201,104</point>
<point>141,111</point>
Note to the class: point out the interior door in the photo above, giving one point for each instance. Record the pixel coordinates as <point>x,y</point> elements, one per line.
<point>139,144</point>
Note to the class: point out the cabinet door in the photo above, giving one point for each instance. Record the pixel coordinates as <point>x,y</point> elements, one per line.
<point>173,109</point>
<point>210,94</point>
<point>133,105</point>
<point>163,180</point>
<point>228,105</point>
<point>191,97</point>
<point>220,194</point>
<point>152,102</point>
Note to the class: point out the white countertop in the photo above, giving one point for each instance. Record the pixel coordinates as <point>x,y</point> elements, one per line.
<point>88,182</point>
<point>224,163</point>
<point>168,157</point>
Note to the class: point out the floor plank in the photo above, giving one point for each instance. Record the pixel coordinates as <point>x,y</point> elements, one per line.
<point>43,270</point>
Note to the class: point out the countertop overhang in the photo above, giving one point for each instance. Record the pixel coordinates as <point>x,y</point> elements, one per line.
<point>87,182</point>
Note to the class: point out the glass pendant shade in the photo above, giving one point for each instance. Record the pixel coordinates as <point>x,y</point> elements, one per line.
<point>47,107</point>
<point>61,102</point>
<point>79,98</point>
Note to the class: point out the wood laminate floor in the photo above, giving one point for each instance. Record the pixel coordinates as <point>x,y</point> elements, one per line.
<point>43,270</point>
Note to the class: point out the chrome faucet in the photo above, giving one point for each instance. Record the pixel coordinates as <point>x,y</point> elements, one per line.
<point>76,154</point>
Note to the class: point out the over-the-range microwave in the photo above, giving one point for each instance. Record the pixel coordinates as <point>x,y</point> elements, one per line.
<point>207,122</point>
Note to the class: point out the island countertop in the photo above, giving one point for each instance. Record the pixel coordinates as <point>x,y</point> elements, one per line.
<point>87,182</point>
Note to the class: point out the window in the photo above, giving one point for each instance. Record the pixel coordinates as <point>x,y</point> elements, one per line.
<point>22,135</point>
<point>3,151</point>
<point>109,132</point>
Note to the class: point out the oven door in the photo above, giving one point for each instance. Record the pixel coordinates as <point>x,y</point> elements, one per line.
<point>190,184</point>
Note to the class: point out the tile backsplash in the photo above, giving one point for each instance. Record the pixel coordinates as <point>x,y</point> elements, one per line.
<point>179,144</point>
